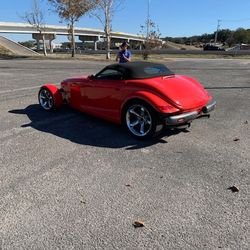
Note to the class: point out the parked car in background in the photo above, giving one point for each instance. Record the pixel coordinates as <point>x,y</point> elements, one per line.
<point>213,47</point>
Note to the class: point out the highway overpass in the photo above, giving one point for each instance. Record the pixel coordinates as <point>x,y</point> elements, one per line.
<point>84,34</point>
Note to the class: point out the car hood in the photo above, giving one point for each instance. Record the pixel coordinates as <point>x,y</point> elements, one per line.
<point>184,92</point>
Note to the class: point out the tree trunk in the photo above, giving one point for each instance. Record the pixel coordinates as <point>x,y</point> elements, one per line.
<point>73,40</point>
<point>108,54</point>
<point>107,32</point>
<point>44,45</point>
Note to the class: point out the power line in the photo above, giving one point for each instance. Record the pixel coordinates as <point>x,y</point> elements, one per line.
<point>148,18</point>
<point>234,20</point>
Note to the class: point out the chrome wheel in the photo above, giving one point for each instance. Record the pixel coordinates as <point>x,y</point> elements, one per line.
<point>139,120</point>
<point>46,99</point>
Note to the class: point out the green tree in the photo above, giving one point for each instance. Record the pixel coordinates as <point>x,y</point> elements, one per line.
<point>206,38</point>
<point>224,35</point>
<point>29,44</point>
<point>241,36</point>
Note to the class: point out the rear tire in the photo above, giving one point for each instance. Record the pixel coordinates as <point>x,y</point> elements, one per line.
<point>140,120</point>
<point>46,99</point>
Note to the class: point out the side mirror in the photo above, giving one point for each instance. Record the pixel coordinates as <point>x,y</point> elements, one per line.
<point>91,77</point>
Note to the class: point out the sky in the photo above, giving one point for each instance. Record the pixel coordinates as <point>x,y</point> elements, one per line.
<point>174,17</point>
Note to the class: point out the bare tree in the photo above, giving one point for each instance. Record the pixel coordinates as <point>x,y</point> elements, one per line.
<point>152,33</point>
<point>105,12</point>
<point>36,18</point>
<point>71,11</point>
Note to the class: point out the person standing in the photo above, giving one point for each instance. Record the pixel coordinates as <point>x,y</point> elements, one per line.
<point>124,55</point>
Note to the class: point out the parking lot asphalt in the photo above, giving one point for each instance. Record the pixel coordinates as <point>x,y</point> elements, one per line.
<point>71,181</point>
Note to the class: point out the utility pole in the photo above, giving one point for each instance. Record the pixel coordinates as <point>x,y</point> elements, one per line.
<point>148,20</point>
<point>216,34</point>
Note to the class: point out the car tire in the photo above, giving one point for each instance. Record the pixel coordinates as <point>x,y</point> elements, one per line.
<point>140,120</point>
<point>46,99</point>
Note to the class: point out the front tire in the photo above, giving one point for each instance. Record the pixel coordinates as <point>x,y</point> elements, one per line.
<point>140,120</point>
<point>46,99</point>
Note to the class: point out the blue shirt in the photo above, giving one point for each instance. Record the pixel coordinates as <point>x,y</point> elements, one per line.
<point>121,55</point>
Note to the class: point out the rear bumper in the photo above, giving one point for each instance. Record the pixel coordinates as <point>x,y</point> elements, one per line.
<point>186,118</point>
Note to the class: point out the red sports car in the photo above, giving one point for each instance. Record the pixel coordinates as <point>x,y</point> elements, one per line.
<point>140,95</point>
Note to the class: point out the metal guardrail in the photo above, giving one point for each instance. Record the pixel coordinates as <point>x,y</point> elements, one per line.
<point>196,52</point>
<point>174,52</point>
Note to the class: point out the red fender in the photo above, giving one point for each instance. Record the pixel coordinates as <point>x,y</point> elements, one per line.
<point>155,101</point>
<point>58,99</point>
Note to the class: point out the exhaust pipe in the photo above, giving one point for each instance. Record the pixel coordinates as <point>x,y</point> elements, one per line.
<point>209,107</point>
<point>205,110</point>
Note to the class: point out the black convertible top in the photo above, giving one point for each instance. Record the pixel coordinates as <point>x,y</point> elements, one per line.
<point>141,70</point>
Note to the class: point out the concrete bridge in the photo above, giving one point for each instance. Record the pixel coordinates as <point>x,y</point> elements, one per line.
<point>84,34</point>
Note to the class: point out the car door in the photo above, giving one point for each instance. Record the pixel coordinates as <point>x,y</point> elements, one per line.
<point>102,95</point>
